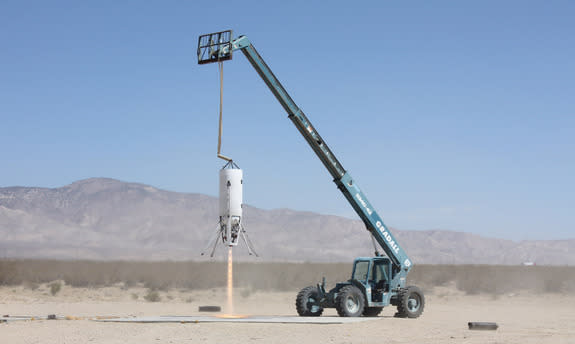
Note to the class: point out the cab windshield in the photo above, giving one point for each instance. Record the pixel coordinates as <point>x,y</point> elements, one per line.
<point>379,271</point>
<point>361,270</point>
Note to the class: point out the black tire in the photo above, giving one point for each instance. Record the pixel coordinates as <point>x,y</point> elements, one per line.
<point>209,309</point>
<point>371,311</point>
<point>410,303</point>
<point>349,302</point>
<point>307,303</point>
<point>483,326</point>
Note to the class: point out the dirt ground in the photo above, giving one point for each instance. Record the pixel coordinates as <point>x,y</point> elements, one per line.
<point>522,317</point>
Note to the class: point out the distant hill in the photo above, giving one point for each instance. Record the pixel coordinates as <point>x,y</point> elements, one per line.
<point>103,218</point>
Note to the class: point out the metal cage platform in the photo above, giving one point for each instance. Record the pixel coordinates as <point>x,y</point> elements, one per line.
<point>215,47</point>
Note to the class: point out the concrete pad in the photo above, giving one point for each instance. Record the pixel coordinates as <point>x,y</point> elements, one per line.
<point>247,319</point>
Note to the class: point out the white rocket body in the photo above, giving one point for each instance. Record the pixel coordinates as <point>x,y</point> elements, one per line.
<point>230,227</point>
<point>231,195</point>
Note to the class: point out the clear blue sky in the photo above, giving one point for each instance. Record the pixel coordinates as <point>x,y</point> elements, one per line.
<point>450,115</point>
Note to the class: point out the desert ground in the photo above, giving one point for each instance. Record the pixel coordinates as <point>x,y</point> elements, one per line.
<point>524,316</point>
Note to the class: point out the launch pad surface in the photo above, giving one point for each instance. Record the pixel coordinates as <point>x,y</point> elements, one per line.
<point>247,319</point>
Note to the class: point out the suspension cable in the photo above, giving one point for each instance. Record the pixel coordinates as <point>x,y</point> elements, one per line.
<point>221,70</point>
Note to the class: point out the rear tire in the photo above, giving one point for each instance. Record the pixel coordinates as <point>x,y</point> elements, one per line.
<point>372,311</point>
<point>349,302</point>
<point>410,303</point>
<point>307,303</point>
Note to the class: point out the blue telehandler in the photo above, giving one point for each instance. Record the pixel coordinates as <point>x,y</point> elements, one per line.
<point>375,282</point>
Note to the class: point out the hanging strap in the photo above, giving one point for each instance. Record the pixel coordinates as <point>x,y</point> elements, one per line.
<point>221,70</point>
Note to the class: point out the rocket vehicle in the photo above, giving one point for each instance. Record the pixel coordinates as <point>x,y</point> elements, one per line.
<point>230,226</point>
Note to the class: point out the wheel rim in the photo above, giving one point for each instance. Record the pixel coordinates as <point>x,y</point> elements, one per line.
<point>352,304</point>
<point>312,305</point>
<point>413,302</point>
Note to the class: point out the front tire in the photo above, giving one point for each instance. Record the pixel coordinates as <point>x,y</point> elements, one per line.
<point>410,303</point>
<point>307,303</point>
<point>349,302</point>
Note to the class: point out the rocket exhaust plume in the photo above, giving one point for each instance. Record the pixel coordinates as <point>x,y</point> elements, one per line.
<point>230,282</point>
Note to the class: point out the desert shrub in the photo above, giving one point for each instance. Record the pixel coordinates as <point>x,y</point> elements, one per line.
<point>55,288</point>
<point>152,296</point>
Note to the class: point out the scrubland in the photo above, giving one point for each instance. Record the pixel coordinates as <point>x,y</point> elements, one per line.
<point>470,279</point>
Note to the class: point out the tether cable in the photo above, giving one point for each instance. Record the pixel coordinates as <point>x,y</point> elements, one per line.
<point>221,70</point>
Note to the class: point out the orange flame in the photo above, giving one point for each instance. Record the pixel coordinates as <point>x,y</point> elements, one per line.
<point>230,283</point>
<point>232,316</point>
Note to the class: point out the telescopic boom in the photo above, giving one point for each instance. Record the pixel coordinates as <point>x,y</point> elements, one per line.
<point>219,46</point>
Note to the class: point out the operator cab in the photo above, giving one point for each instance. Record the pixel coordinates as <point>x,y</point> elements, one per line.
<point>373,273</point>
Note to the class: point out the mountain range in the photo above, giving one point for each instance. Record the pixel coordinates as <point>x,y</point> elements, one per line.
<point>102,218</point>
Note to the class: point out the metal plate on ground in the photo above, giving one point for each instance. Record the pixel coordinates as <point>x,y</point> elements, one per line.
<point>10,318</point>
<point>247,319</point>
